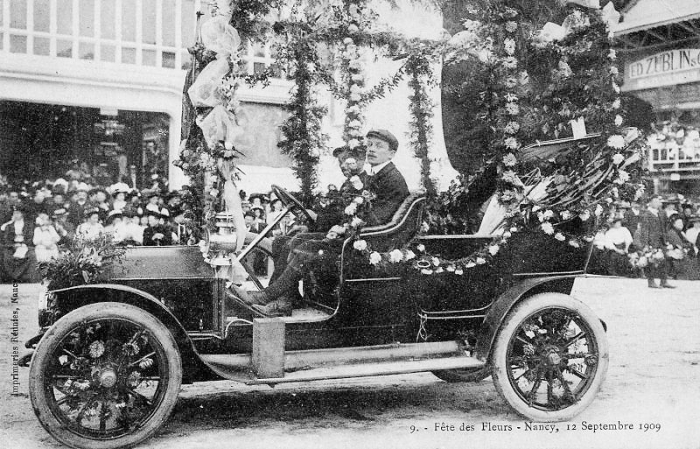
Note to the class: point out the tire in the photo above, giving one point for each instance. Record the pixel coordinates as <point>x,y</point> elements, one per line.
<point>464,375</point>
<point>99,364</point>
<point>550,357</point>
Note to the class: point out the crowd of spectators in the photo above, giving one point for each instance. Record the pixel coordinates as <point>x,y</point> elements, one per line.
<point>616,249</point>
<point>39,219</point>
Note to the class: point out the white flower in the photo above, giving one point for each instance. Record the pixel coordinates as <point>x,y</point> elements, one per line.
<point>480,261</point>
<point>484,56</point>
<point>396,256</point>
<point>618,120</point>
<point>616,104</point>
<point>509,46</point>
<point>353,28</point>
<point>355,97</point>
<point>512,108</point>
<point>614,70</point>
<point>511,26</point>
<point>540,216</point>
<point>63,359</point>
<point>439,270</point>
<point>359,200</point>
<point>510,62</point>
<point>559,236</point>
<point>356,222</point>
<point>471,25</point>
<point>469,264</point>
<point>574,243</point>
<point>524,77</point>
<point>547,228</point>
<point>612,55</point>
<point>351,209</point>
<point>616,141</point>
<point>459,271</point>
<point>375,258</point>
<point>512,127</point>
<point>353,143</point>
<point>409,255</point>
<point>616,88</point>
<point>623,177</point>
<point>509,160</point>
<point>507,234</point>
<point>493,249</point>
<point>347,41</point>
<point>598,210</point>
<point>435,261</point>
<point>548,214</point>
<point>585,215</point>
<point>618,158</point>
<point>360,245</point>
<point>426,271</point>
<point>512,143</point>
<point>357,77</point>
<point>565,215</point>
<point>356,182</point>
<point>420,248</point>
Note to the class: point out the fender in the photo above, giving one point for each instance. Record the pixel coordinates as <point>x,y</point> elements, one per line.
<point>507,300</point>
<point>81,295</point>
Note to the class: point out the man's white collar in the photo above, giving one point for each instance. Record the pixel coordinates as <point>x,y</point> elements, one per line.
<point>373,170</point>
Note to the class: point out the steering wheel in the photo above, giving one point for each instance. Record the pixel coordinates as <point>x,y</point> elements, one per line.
<point>291,201</point>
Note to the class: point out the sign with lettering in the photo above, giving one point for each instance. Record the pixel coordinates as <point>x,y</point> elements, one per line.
<point>665,62</point>
<point>663,69</point>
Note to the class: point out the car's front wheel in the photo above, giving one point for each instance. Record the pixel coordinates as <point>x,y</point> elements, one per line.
<point>550,357</point>
<point>106,375</point>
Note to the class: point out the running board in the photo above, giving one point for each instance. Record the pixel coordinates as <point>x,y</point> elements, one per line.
<point>372,369</point>
<point>239,373</point>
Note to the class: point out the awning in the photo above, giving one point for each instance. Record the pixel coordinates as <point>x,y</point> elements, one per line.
<point>648,14</point>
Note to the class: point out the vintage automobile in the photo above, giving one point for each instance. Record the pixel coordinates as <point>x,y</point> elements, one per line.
<point>108,366</point>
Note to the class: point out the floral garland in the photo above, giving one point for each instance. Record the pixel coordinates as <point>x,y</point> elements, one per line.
<point>418,68</point>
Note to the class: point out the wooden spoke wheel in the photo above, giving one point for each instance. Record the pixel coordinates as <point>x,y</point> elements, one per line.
<point>106,375</point>
<point>550,357</point>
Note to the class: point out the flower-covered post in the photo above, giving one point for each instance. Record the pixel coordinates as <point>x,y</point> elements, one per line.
<point>303,138</point>
<point>421,75</point>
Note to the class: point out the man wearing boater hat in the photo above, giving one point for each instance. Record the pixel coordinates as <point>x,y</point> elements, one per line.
<point>383,180</point>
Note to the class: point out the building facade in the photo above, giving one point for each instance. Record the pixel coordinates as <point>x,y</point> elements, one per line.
<point>660,47</point>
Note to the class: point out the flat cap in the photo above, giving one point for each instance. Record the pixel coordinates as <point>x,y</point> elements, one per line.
<point>386,136</point>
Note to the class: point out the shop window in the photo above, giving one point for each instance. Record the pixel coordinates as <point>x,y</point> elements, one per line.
<point>18,14</point>
<point>169,23</point>
<point>148,23</point>
<point>107,53</point>
<point>148,57</point>
<point>64,16</point>
<point>42,46</point>
<point>107,15</point>
<point>64,48</point>
<point>129,55</point>
<point>86,50</point>
<point>42,16</point>
<point>168,60</point>
<point>128,21</point>
<point>18,44</point>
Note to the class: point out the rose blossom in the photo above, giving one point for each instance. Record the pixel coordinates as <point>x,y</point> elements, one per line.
<point>618,158</point>
<point>375,258</point>
<point>616,141</point>
<point>396,256</point>
<point>559,236</point>
<point>360,245</point>
<point>547,228</point>
<point>351,209</point>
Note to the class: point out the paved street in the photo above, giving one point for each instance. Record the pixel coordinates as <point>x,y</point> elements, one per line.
<point>653,379</point>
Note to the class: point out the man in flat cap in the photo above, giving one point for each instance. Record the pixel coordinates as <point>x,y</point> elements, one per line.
<point>388,186</point>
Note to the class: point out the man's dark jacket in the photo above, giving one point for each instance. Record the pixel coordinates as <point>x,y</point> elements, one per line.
<point>390,189</point>
<point>653,229</point>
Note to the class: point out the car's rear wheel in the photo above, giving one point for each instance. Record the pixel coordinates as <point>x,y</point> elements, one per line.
<point>106,375</point>
<point>550,357</point>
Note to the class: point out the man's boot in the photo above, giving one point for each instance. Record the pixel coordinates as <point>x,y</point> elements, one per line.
<point>651,283</point>
<point>278,307</point>
<point>665,284</point>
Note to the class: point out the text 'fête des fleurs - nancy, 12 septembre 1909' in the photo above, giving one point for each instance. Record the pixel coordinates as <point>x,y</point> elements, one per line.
<point>527,426</point>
